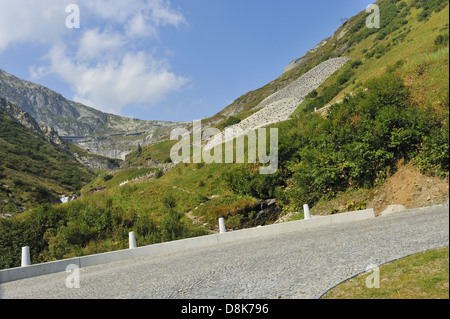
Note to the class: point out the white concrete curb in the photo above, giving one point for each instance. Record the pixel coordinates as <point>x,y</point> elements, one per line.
<point>13,274</point>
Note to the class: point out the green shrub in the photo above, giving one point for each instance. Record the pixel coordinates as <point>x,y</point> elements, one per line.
<point>355,64</point>
<point>229,122</point>
<point>234,222</point>
<point>246,181</point>
<point>171,226</point>
<point>433,156</point>
<point>313,94</point>
<point>441,41</point>
<point>359,143</point>
<point>345,77</point>
<point>159,173</point>
<point>352,206</point>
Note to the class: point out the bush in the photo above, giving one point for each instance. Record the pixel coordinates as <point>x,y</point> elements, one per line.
<point>441,41</point>
<point>378,51</point>
<point>345,77</point>
<point>327,95</point>
<point>229,122</point>
<point>358,144</point>
<point>429,6</point>
<point>433,157</point>
<point>234,222</point>
<point>246,181</point>
<point>159,173</point>
<point>313,94</point>
<point>42,195</point>
<point>355,64</point>
<point>171,226</point>
<point>352,206</point>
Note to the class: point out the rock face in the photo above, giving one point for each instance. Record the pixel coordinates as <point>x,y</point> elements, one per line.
<point>28,121</point>
<point>94,162</point>
<point>279,106</point>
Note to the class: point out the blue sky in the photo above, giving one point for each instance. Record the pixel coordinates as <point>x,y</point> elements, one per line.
<point>157,60</point>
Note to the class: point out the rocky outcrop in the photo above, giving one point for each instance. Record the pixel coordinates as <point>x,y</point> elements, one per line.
<point>96,162</point>
<point>20,116</point>
<point>47,132</point>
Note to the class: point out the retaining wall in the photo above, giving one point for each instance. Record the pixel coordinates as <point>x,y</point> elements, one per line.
<point>279,106</point>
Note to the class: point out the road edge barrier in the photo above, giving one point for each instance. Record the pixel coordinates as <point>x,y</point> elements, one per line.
<point>13,274</point>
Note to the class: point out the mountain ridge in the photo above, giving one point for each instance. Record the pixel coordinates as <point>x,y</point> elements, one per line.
<point>69,118</point>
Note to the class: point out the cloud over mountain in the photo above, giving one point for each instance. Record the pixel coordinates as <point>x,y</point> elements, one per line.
<point>111,61</point>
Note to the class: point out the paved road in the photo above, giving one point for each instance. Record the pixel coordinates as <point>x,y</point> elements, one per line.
<point>294,265</point>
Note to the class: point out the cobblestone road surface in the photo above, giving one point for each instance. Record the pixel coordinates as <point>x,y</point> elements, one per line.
<point>293,265</point>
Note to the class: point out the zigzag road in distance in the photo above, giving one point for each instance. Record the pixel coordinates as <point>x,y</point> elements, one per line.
<point>300,264</point>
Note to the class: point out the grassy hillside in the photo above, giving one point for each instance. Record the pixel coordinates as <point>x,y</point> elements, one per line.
<point>397,112</point>
<point>32,171</point>
<point>408,37</point>
<point>393,107</point>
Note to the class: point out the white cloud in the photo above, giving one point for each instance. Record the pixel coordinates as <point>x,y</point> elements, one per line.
<point>109,85</point>
<point>93,44</point>
<point>30,21</point>
<point>138,17</point>
<point>105,62</point>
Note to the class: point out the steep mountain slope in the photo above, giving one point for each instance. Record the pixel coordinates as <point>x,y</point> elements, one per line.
<point>279,106</point>
<point>33,168</point>
<point>407,29</point>
<point>100,133</point>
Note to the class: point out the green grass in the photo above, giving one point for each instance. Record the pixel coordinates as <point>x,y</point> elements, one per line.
<point>193,186</point>
<point>156,152</point>
<point>109,179</point>
<point>420,276</point>
<point>416,48</point>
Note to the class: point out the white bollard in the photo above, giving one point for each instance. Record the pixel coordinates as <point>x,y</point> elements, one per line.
<point>26,259</point>
<point>306,211</point>
<point>132,240</point>
<point>222,228</point>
